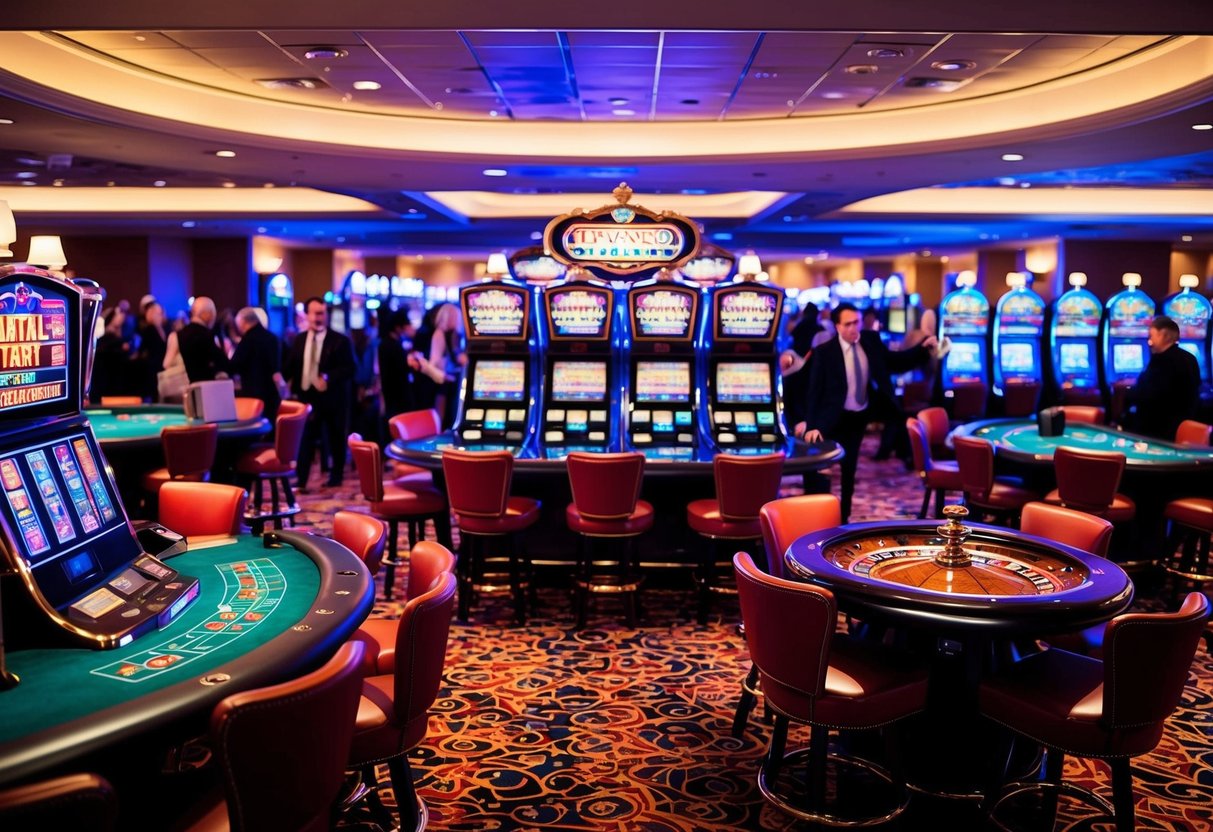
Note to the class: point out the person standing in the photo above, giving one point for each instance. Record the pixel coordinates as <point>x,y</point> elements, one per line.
<point>849,386</point>
<point>257,361</point>
<point>320,369</point>
<point>1168,389</point>
<point>441,361</point>
<point>153,344</point>
<point>395,374</point>
<point>196,344</point>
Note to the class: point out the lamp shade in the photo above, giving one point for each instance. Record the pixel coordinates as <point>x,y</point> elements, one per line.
<point>497,265</point>
<point>749,264</point>
<point>46,251</point>
<point>1131,279</point>
<point>1078,278</point>
<point>1189,281</point>
<point>267,263</point>
<point>967,278</point>
<point>8,230</point>
<point>1016,279</point>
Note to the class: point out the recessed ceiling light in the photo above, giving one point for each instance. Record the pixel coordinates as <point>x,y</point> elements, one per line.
<point>1012,157</point>
<point>623,112</point>
<point>617,101</point>
<point>862,69</point>
<point>140,38</point>
<point>953,66</point>
<point>7,121</point>
<point>495,172</point>
<point>885,52</point>
<point>412,210</point>
<point>1202,126</point>
<point>188,224</point>
<point>1187,238</point>
<point>367,85</point>
<point>58,183</point>
<point>833,95</point>
<point>25,174</point>
<point>291,83</point>
<point>225,154</point>
<point>159,183</point>
<point>1007,181</point>
<point>229,184</point>
<point>319,53</point>
<point>29,182</point>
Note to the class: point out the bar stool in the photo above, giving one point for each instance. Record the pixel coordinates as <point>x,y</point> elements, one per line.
<point>248,408</point>
<point>478,486</point>
<point>1000,497</point>
<point>189,455</point>
<point>405,427</point>
<point>363,535</point>
<point>937,477</point>
<point>607,508</point>
<point>936,426</point>
<point>393,503</point>
<point>1087,481</point>
<point>275,463</point>
<point>1191,527</point>
<point>743,485</point>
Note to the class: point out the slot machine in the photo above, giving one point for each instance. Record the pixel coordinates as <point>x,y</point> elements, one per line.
<point>1019,322</point>
<point>278,300</point>
<point>1073,342</point>
<point>1127,317</point>
<point>497,397</point>
<point>743,408</point>
<point>77,570</point>
<point>660,400</point>
<point>1192,310</point>
<point>895,320</point>
<point>964,319</point>
<point>580,410</point>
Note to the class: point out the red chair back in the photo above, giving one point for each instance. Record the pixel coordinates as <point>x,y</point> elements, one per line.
<point>1085,414</point>
<point>248,408</point>
<point>1072,528</point>
<point>283,749</point>
<point>421,640</point>
<point>201,508</point>
<point>288,430</point>
<point>920,448</point>
<point>121,401</point>
<point>363,535</point>
<point>189,450</point>
<point>785,520</point>
<point>427,561</point>
<point>771,609</point>
<point>1192,432</point>
<point>605,486</point>
<point>415,424</point>
<point>744,484</point>
<point>975,459</point>
<point>1146,661</point>
<point>478,482</point>
<point>1019,398</point>
<point>368,462</point>
<point>1087,480</point>
<point>969,401</point>
<point>936,426</point>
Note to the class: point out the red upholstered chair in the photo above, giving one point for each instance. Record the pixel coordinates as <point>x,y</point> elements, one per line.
<point>1084,414</point>
<point>415,424</point>
<point>998,497</point>
<point>393,714</point>
<point>1192,432</point>
<point>1114,709</point>
<point>936,424</point>
<point>248,408</point>
<point>74,801</point>
<point>363,535</point>
<point>393,503</point>
<point>121,401</point>
<point>1116,400</point>
<point>275,463</point>
<point>189,455</point>
<point>1020,398</point>
<point>427,563</point>
<point>202,509</point>
<point>1190,521</point>
<point>782,521</point>
<point>607,509</point>
<point>824,679</point>
<point>1092,396</point>
<point>1087,481</point>
<point>478,486</point>
<point>937,477</point>
<point>282,750</point>
<point>968,401</point>
<point>744,484</point>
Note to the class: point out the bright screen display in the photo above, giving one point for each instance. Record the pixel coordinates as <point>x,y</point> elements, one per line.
<point>1190,347</point>
<point>1075,358</point>
<point>1128,358</point>
<point>965,357</point>
<point>746,314</point>
<point>663,381</point>
<point>578,313</point>
<point>1077,315</point>
<point>34,352</point>
<point>1017,359</point>
<point>579,381</point>
<point>499,381</point>
<point>662,313</point>
<point>897,321</point>
<point>494,312</point>
<point>743,381</point>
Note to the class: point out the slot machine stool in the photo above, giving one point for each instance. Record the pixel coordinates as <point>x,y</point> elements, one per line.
<point>1188,544</point>
<point>275,463</point>
<point>607,509</point>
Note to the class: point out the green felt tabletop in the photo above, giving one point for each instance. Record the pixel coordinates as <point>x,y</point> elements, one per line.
<point>1022,436</point>
<point>134,423</point>
<point>60,685</point>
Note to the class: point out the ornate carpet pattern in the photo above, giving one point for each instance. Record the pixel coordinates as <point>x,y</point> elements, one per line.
<point>543,727</point>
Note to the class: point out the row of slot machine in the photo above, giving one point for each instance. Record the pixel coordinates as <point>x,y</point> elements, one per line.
<point>664,367</point>
<point>1078,348</point>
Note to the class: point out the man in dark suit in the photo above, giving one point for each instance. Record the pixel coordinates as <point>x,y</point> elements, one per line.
<point>849,386</point>
<point>257,361</point>
<point>1168,390</point>
<point>320,368</point>
<point>196,343</point>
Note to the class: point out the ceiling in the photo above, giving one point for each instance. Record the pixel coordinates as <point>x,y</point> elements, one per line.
<point>382,138</point>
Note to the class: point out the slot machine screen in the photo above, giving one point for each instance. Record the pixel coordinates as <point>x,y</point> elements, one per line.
<point>743,382</point>
<point>39,375</point>
<point>1017,358</point>
<point>579,313</point>
<point>663,381</point>
<point>897,321</point>
<point>499,381</point>
<point>965,357</point>
<point>495,312</point>
<point>1075,358</point>
<point>1190,347</point>
<point>1128,358</point>
<point>746,314</point>
<point>662,313</point>
<point>579,381</point>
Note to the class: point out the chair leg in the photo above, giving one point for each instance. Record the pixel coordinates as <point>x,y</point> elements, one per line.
<point>926,501</point>
<point>1122,794</point>
<point>626,559</point>
<point>408,804</point>
<point>819,749</point>
<point>779,741</point>
<point>941,497</point>
<point>389,576</point>
<point>516,586</point>
<point>707,566</point>
<point>746,703</point>
<point>585,560</point>
<point>442,528</point>
<point>381,812</point>
<point>463,570</point>
<point>274,504</point>
<point>1054,764</point>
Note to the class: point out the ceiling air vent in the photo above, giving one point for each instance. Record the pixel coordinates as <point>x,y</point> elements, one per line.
<point>937,84</point>
<point>291,83</point>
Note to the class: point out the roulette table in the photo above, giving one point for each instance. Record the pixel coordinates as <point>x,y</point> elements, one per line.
<point>136,428</point>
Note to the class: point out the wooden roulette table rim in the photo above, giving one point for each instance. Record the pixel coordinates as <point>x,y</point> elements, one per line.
<point>1101,589</point>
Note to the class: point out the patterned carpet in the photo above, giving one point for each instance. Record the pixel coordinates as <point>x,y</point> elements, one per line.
<point>543,727</point>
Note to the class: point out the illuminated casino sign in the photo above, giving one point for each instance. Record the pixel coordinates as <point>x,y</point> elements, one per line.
<point>579,312</point>
<point>622,239</point>
<point>662,312</point>
<point>533,265</point>
<point>494,311</point>
<point>33,346</point>
<point>749,312</point>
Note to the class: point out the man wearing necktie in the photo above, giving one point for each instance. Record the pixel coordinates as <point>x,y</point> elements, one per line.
<point>849,386</point>
<point>320,367</point>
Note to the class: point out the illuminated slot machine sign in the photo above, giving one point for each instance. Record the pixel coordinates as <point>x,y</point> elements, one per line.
<point>1191,312</point>
<point>1019,327</point>
<point>965,319</point>
<point>34,366</point>
<point>1128,328</point>
<point>491,312</point>
<point>533,265</point>
<point>496,386</point>
<point>746,315</point>
<point>579,313</point>
<point>1075,334</point>
<point>663,313</point>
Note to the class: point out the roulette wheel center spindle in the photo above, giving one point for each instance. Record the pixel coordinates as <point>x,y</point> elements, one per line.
<point>954,533</point>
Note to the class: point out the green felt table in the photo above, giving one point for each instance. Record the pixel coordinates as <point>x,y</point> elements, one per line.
<point>262,615</point>
<point>1018,440</point>
<point>139,427</point>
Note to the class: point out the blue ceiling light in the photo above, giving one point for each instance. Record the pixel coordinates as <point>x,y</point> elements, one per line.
<point>495,172</point>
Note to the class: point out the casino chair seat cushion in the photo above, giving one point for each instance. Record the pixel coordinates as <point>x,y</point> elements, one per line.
<point>261,460</point>
<point>1195,512</point>
<point>401,502</point>
<point>520,513</point>
<point>638,522</point>
<point>249,408</point>
<point>704,517</point>
<point>1121,510</point>
<point>1007,494</point>
<point>1192,432</point>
